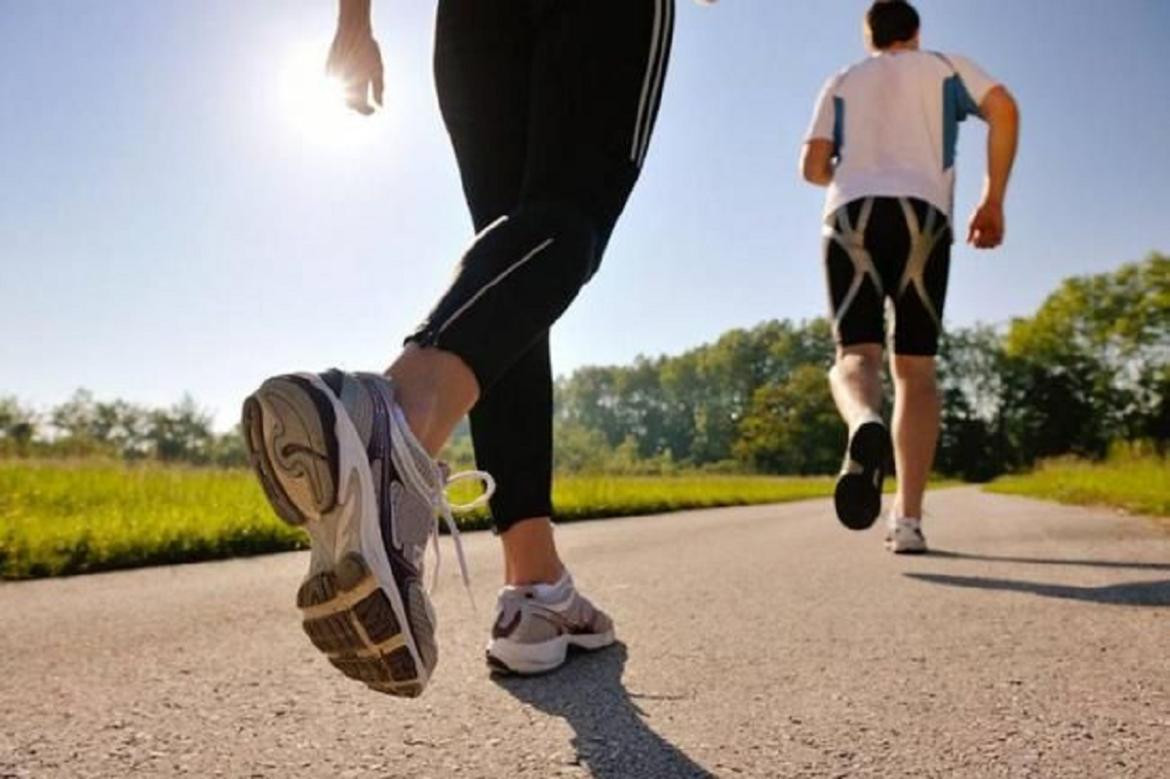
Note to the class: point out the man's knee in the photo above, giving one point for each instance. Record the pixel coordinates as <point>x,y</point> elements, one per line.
<point>859,357</point>
<point>914,371</point>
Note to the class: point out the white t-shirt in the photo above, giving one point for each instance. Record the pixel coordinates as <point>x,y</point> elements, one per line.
<point>894,121</point>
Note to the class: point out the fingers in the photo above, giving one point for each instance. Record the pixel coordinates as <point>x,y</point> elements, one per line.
<point>356,93</point>
<point>333,61</point>
<point>977,231</point>
<point>992,233</point>
<point>986,229</point>
<point>378,85</point>
<point>358,65</point>
<point>376,71</point>
<point>985,237</point>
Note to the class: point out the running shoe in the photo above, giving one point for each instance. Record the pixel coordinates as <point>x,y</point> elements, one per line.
<point>336,457</point>
<point>904,536</point>
<point>537,625</point>
<point>858,494</point>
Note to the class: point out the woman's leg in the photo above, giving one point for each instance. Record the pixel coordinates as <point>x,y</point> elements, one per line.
<point>584,129</point>
<point>511,424</point>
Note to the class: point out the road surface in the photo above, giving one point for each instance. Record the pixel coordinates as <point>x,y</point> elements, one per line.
<point>762,641</point>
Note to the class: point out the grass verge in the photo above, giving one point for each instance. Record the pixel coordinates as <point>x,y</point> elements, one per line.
<point>68,518</point>
<point>1136,483</point>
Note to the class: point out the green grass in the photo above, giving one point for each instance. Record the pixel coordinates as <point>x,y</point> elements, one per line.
<point>67,518</point>
<point>1133,482</point>
<point>76,518</point>
<point>588,497</point>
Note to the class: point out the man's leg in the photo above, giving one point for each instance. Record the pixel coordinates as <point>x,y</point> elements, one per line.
<point>918,302</point>
<point>916,428</point>
<point>856,383</point>
<point>854,256</point>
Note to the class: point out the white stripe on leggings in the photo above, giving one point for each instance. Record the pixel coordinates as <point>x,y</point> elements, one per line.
<point>658,78</point>
<point>656,45</point>
<point>483,290</point>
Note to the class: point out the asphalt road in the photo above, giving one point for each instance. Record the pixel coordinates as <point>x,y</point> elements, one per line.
<point>762,641</point>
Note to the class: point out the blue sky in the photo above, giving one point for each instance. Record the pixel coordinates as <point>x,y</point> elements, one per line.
<point>174,219</point>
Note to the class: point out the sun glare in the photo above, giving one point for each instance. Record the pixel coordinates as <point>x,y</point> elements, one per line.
<point>313,104</point>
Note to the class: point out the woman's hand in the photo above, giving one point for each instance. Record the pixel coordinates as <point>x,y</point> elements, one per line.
<point>355,57</point>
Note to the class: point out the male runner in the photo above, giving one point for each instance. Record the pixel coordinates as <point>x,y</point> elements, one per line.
<point>883,141</point>
<point>550,105</point>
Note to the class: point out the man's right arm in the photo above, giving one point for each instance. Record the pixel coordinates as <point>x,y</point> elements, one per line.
<point>998,108</point>
<point>816,161</point>
<point>819,149</point>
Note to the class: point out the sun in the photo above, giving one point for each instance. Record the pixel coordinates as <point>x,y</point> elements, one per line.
<point>312,104</point>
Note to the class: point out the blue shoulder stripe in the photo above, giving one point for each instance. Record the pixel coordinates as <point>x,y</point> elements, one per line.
<point>838,126</point>
<point>958,104</point>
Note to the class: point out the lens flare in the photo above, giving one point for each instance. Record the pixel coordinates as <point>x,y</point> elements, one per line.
<point>313,104</point>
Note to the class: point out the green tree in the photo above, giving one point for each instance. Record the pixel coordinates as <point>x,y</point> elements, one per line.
<point>1093,360</point>
<point>974,376</point>
<point>18,426</point>
<point>181,433</point>
<point>227,450</point>
<point>792,427</point>
<point>579,449</point>
<point>690,405</point>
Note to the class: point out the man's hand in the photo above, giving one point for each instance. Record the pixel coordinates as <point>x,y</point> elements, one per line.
<point>356,59</point>
<point>987,227</point>
<point>1003,119</point>
<point>816,161</point>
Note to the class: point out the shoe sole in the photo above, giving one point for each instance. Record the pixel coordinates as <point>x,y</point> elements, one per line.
<point>312,466</point>
<point>858,493</point>
<point>511,657</point>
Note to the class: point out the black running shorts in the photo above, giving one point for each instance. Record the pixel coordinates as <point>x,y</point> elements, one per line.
<point>895,249</point>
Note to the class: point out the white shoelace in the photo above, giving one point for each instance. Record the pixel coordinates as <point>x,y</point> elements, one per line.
<point>433,483</point>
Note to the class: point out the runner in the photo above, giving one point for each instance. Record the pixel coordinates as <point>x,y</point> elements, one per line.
<point>550,105</point>
<point>883,141</point>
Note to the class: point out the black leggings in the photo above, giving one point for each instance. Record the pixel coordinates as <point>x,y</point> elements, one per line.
<point>550,105</point>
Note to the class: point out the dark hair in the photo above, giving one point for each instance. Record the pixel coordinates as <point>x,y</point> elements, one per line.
<point>890,22</point>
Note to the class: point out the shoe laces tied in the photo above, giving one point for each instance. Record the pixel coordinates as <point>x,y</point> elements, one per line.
<point>432,479</point>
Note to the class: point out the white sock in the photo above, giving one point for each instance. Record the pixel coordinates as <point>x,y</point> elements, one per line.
<point>869,416</point>
<point>554,593</point>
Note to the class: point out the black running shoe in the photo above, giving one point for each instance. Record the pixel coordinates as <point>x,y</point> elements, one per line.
<point>858,495</point>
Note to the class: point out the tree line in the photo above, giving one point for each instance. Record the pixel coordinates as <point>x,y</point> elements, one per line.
<point>1090,368</point>
<point>86,427</point>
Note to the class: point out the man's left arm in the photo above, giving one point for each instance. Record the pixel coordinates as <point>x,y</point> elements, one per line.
<point>997,107</point>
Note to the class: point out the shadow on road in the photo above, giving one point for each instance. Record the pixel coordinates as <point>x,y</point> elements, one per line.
<point>943,553</point>
<point>611,736</point>
<point>1155,593</point>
